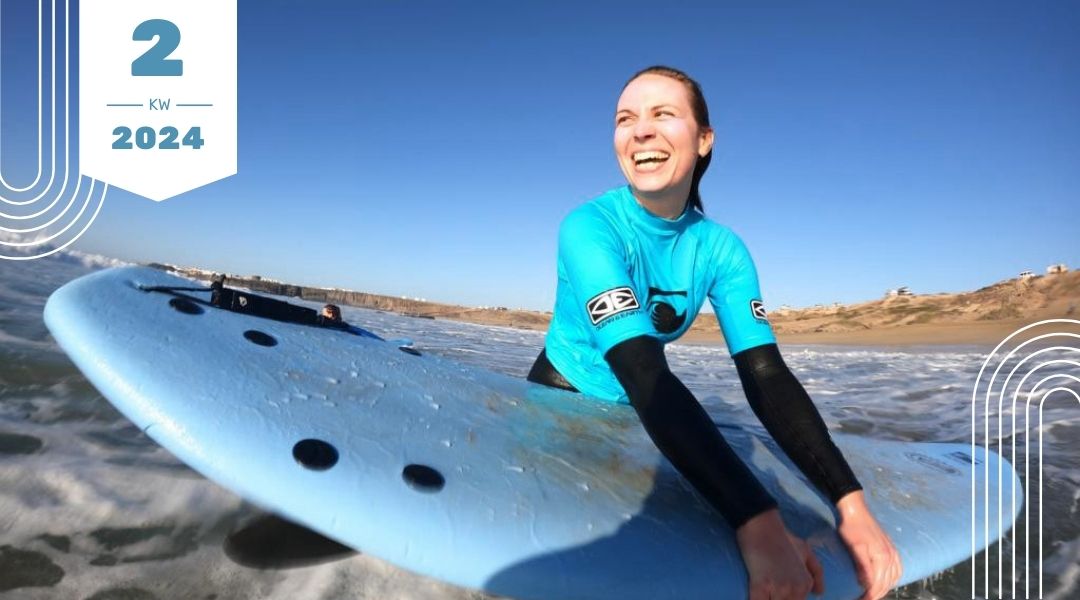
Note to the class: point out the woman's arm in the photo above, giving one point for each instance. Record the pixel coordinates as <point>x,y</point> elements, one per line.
<point>784,407</point>
<point>777,562</point>
<point>684,433</point>
<point>786,410</point>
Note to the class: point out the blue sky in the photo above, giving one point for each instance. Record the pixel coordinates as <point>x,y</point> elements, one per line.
<point>431,148</point>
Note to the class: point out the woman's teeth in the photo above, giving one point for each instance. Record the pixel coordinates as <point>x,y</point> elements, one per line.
<point>651,156</point>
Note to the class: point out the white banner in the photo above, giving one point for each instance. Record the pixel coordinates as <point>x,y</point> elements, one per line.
<point>157,94</point>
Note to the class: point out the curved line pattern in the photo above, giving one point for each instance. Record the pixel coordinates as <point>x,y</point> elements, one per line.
<point>40,102</point>
<point>1027,457</point>
<point>989,393</point>
<point>101,202</point>
<point>1041,403</point>
<point>67,138</point>
<point>67,159</point>
<point>39,241</point>
<point>67,165</point>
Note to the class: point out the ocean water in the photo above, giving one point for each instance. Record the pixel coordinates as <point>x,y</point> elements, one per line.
<point>92,509</point>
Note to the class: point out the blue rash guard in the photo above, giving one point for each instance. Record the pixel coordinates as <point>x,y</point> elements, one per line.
<point>624,272</point>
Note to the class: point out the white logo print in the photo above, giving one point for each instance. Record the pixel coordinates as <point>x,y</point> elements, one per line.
<point>611,302</point>
<point>757,307</point>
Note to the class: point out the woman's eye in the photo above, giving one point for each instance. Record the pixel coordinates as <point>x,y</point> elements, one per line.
<point>621,120</point>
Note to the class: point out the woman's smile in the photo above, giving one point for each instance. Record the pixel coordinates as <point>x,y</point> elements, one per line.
<point>658,141</point>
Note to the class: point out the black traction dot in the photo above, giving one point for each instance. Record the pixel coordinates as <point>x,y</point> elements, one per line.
<point>423,478</point>
<point>316,455</point>
<point>185,306</point>
<point>257,337</point>
<point>408,350</point>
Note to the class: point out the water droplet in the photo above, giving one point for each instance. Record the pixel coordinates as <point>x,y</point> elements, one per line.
<point>515,469</point>
<point>380,384</point>
<point>584,486</point>
<point>332,380</point>
<point>435,405</point>
<point>353,374</point>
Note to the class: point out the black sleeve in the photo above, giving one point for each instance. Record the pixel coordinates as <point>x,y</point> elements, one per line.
<point>684,433</point>
<point>784,407</point>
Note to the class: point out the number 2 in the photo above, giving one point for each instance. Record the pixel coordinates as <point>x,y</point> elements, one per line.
<point>153,62</point>
<point>122,142</point>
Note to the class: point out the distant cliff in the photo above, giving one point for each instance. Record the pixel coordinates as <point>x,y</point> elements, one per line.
<point>1003,304</point>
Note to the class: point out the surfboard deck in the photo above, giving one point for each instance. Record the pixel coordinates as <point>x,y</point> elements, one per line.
<point>468,475</point>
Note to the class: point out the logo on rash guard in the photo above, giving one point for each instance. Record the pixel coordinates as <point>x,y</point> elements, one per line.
<point>757,308</point>
<point>610,303</point>
<point>664,316</point>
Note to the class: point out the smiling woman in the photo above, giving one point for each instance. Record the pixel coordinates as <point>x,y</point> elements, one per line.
<point>635,266</point>
<point>659,140</point>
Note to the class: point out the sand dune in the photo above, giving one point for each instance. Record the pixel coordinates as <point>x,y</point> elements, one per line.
<point>984,316</point>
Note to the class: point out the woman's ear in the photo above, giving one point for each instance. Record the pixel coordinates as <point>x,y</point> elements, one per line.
<point>705,141</point>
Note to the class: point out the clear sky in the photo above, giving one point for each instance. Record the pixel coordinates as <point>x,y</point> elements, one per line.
<point>431,148</point>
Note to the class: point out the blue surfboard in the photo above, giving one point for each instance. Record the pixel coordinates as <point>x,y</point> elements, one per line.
<point>471,476</point>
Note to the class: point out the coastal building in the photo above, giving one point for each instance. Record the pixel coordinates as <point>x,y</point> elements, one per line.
<point>900,291</point>
<point>1056,269</point>
<point>1026,275</point>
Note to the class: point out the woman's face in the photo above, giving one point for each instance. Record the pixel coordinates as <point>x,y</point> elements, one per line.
<point>657,139</point>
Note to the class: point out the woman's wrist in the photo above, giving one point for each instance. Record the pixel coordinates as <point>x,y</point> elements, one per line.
<point>764,523</point>
<point>852,506</point>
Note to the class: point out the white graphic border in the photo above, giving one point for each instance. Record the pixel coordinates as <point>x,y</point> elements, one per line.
<point>1030,363</point>
<point>18,238</point>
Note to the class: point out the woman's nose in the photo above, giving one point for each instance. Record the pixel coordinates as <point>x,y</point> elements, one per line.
<point>644,129</point>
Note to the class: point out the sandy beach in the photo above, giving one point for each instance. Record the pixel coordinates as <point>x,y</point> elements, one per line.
<point>984,316</point>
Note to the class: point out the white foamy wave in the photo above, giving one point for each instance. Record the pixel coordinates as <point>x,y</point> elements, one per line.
<point>92,261</point>
<point>30,246</point>
<point>1066,562</point>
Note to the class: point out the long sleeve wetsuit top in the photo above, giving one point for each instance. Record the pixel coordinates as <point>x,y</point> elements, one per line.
<point>629,282</point>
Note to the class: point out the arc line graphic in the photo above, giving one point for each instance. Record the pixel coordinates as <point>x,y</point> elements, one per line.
<point>67,147</point>
<point>987,447</point>
<point>39,241</point>
<point>1001,398</point>
<point>1041,403</point>
<point>67,150</point>
<point>41,99</point>
<point>1027,459</point>
<point>101,202</point>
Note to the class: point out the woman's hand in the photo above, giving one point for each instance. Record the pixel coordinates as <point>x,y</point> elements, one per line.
<point>877,563</point>
<point>781,566</point>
